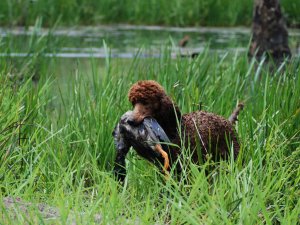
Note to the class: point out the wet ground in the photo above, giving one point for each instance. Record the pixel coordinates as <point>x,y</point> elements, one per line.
<point>125,41</point>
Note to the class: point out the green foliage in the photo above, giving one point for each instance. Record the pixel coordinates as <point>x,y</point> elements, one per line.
<point>161,12</point>
<point>57,147</point>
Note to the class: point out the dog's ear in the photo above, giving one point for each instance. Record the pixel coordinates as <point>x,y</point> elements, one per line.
<point>169,110</point>
<point>178,113</point>
<point>168,116</point>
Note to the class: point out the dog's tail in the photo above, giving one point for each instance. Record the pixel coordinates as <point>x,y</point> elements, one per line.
<point>234,116</point>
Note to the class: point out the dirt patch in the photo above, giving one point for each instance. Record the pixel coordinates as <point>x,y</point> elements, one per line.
<point>14,207</point>
<point>17,210</point>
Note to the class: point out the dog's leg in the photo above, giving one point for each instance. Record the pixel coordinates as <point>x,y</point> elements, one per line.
<point>122,148</point>
<point>159,149</point>
<point>120,166</point>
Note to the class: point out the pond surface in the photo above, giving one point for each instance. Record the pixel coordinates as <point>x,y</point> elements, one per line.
<point>125,41</point>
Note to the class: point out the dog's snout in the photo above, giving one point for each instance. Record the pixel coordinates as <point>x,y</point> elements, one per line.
<point>133,119</point>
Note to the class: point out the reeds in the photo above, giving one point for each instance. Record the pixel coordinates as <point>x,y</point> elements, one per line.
<point>57,147</point>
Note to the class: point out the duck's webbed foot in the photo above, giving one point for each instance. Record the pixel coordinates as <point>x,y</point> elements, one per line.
<point>166,168</point>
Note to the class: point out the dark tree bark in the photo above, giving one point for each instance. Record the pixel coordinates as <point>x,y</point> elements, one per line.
<point>269,32</point>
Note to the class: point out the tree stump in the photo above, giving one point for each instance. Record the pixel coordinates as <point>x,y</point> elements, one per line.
<point>269,32</point>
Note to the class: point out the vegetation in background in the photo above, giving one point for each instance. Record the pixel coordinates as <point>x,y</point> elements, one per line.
<point>158,12</point>
<point>57,148</point>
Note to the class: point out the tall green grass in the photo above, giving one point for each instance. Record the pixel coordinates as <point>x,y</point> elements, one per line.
<point>57,148</point>
<point>158,12</point>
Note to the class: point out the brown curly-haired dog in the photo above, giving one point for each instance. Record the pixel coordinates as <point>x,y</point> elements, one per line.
<point>213,133</point>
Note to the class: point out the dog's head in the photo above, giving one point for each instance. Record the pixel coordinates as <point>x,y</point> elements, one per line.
<point>149,99</point>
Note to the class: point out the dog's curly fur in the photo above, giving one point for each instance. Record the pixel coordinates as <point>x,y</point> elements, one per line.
<point>212,132</point>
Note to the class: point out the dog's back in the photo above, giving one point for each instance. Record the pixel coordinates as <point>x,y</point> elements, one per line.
<point>214,134</point>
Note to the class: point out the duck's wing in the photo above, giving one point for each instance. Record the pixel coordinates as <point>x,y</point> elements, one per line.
<point>155,131</point>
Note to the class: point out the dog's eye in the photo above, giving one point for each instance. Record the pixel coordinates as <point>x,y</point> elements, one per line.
<point>147,104</point>
<point>143,102</point>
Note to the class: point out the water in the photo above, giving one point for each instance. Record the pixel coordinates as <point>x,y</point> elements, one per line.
<point>125,41</point>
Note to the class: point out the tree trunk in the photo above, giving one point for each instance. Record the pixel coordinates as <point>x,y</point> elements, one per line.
<point>269,32</point>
